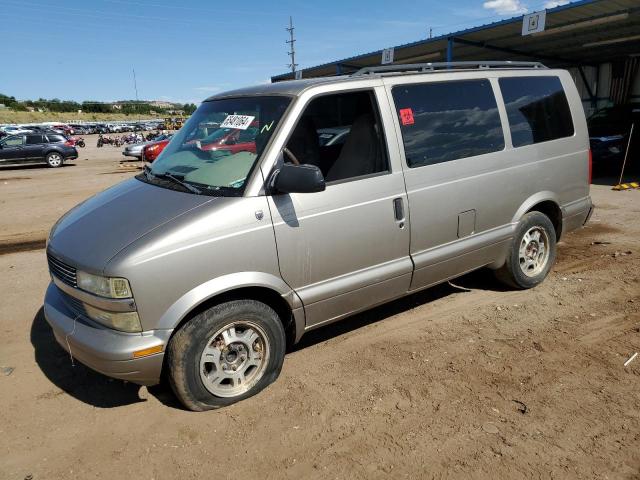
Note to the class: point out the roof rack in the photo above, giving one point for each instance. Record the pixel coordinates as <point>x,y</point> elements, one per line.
<point>432,67</point>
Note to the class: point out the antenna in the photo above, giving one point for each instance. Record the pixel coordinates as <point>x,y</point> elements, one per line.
<point>430,32</point>
<point>292,50</point>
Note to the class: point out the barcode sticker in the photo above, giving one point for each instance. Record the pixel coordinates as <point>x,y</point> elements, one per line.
<point>240,122</point>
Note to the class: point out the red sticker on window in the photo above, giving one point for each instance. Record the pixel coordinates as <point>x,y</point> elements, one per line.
<point>406,115</point>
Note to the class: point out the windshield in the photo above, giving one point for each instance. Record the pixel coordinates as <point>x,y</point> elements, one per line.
<point>221,168</point>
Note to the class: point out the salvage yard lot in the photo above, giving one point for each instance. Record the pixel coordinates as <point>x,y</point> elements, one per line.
<point>463,380</point>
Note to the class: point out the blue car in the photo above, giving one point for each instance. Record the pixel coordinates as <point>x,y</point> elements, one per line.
<point>609,130</point>
<point>49,148</point>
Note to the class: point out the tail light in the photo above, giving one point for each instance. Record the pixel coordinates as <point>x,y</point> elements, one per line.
<point>590,166</point>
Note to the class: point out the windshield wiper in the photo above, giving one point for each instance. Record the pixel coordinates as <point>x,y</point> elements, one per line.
<point>173,178</point>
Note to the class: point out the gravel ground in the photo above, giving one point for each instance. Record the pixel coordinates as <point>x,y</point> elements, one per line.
<point>464,380</point>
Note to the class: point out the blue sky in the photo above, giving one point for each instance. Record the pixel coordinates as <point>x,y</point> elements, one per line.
<point>185,51</point>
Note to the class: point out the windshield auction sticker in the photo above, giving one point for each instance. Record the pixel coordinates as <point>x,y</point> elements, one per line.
<point>241,122</point>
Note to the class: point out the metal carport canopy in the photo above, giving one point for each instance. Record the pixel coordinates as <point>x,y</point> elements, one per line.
<point>586,32</point>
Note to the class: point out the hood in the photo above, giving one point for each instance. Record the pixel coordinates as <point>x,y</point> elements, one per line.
<point>89,235</point>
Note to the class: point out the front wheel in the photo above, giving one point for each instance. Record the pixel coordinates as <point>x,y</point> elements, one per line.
<point>532,253</point>
<point>54,160</point>
<point>226,354</point>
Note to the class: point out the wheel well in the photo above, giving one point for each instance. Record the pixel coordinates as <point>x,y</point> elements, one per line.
<point>553,212</point>
<point>261,294</point>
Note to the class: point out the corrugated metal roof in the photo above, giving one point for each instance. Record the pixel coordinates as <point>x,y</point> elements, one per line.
<point>574,35</point>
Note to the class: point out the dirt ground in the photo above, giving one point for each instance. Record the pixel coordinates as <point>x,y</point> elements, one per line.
<point>465,380</point>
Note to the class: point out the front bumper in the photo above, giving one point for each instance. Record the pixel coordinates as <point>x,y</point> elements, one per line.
<point>104,350</point>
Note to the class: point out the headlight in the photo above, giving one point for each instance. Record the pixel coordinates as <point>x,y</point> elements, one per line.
<point>123,321</point>
<point>104,286</point>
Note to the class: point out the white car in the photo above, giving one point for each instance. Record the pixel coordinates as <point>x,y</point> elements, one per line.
<point>15,130</point>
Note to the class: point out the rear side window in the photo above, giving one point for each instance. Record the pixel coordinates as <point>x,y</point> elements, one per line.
<point>537,108</point>
<point>56,138</point>
<point>34,139</point>
<point>446,121</point>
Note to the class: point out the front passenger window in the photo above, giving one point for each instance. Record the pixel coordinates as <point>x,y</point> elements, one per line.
<point>341,134</point>
<point>14,141</point>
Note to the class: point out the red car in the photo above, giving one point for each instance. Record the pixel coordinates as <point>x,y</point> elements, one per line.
<point>231,140</point>
<point>66,129</point>
<point>150,152</point>
<point>227,139</point>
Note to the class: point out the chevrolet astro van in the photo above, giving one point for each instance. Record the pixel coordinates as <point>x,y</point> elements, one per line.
<point>204,267</point>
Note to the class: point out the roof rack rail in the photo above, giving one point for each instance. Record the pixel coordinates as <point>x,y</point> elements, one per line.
<point>432,67</point>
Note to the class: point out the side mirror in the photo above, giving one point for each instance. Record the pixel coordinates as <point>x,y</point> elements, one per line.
<point>297,179</point>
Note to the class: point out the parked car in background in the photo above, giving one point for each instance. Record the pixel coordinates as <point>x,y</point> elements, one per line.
<point>150,152</point>
<point>50,148</point>
<point>135,150</point>
<point>231,140</point>
<point>333,136</point>
<point>101,128</point>
<point>65,129</point>
<point>79,129</point>
<point>609,130</point>
<point>15,130</point>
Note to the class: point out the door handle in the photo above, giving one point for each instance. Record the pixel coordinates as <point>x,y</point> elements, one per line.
<point>398,211</point>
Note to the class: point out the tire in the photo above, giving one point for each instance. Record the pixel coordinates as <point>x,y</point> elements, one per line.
<point>54,159</point>
<point>210,367</point>
<point>528,264</point>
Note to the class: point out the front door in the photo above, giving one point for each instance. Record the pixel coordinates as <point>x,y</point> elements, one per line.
<point>347,248</point>
<point>12,149</point>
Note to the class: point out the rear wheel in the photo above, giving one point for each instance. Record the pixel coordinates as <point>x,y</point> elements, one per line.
<point>226,354</point>
<point>54,159</point>
<point>532,253</point>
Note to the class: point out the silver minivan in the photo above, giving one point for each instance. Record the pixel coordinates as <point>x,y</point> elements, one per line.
<point>207,265</point>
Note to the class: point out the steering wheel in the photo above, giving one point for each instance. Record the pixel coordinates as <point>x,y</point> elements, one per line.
<point>291,156</point>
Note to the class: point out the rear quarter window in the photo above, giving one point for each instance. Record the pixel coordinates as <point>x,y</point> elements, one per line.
<point>537,109</point>
<point>446,121</point>
<point>56,138</point>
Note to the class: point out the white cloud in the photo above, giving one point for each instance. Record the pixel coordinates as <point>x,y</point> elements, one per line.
<point>506,7</point>
<point>555,3</point>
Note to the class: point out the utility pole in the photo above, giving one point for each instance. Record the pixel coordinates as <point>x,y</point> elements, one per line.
<point>292,50</point>
<point>430,32</point>
<point>135,86</point>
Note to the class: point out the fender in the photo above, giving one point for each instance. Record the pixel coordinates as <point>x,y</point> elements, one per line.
<point>544,196</point>
<point>534,199</point>
<point>181,307</point>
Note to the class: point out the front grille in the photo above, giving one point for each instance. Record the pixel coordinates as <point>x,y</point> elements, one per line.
<point>62,271</point>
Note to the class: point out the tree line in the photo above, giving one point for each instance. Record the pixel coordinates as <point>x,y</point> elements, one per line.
<point>57,105</point>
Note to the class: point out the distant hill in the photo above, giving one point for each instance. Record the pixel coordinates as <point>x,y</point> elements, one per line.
<point>127,107</point>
